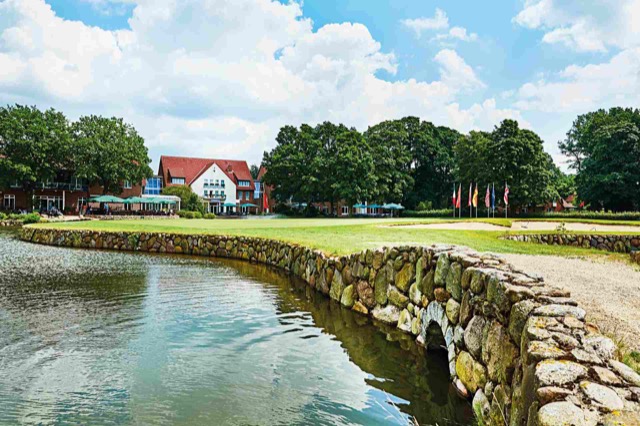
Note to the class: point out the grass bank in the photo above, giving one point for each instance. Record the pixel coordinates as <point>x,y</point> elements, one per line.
<point>336,236</point>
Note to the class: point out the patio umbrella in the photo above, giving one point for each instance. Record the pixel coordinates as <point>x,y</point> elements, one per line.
<point>160,201</point>
<point>248,205</point>
<point>135,200</point>
<point>106,199</point>
<point>229,204</point>
<point>359,206</point>
<point>393,206</point>
<point>374,206</point>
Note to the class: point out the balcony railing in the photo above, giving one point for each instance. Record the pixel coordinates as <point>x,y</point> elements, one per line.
<point>67,186</point>
<point>214,186</point>
<point>215,197</point>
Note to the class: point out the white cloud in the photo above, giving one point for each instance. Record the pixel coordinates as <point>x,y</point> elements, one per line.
<point>583,88</point>
<point>220,78</point>
<point>419,25</point>
<point>458,33</point>
<point>585,26</point>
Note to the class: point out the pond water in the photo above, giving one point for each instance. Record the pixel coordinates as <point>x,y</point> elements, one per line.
<point>90,337</point>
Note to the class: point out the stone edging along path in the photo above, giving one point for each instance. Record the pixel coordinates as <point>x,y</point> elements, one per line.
<point>10,223</point>
<point>519,348</point>
<point>614,243</point>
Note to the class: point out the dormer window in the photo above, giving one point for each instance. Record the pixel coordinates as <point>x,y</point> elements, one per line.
<point>177,181</point>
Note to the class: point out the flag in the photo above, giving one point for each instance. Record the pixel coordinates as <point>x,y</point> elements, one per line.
<point>458,200</point>
<point>265,202</point>
<point>454,195</point>
<point>487,198</point>
<point>475,196</point>
<point>493,196</point>
<point>470,193</point>
<point>506,194</point>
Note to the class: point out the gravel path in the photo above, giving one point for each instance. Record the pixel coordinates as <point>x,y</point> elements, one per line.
<point>609,291</point>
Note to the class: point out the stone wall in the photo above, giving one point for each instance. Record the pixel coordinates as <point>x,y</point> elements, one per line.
<point>520,349</point>
<point>614,243</point>
<point>10,223</point>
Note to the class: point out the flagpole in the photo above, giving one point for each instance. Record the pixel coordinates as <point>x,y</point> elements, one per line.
<point>454,200</point>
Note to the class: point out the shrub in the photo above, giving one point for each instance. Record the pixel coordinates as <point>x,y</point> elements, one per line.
<point>3,216</point>
<point>428,213</point>
<point>425,205</point>
<point>197,215</point>
<point>30,218</point>
<point>209,216</point>
<point>584,214</point>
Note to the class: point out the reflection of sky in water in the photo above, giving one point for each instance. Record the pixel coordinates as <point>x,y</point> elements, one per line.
<point>113,338</point>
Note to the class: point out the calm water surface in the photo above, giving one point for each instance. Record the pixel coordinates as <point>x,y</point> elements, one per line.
<point>114,338</point>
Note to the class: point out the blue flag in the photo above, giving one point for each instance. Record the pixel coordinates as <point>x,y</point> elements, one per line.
<point>493,197</point>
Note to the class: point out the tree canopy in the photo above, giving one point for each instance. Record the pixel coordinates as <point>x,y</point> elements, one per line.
<point>189,200</point>
<point>34,145</point>
<point>108,152</point>
<point>604,149</point>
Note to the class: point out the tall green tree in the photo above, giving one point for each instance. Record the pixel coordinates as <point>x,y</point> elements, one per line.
<point>510,155</point>
<point>34,146</point>
<point>189,200</point>
<point>353,168</point>
<point>604,149</point>
<point>391,150</point>
<point>109,152</point>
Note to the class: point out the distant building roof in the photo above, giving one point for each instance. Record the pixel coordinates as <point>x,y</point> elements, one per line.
<point>191,169</point>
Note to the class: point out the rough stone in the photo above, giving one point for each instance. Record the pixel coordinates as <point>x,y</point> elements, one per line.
<point>604,375</point>
<point>466,309</point>
<point>404,278</point>
<point>481,407</point>
<point>458,337</point>
<point>499,354</point>
<point>562,414</point>
<point>337,286</point>
<point>381,286</point>
<point>539,350</point>
<point>605,397</point>
<point>389,314</point>
<point>625,372</point>
<point>442,270</point>
<point>600,345</point>
<point>560,311</point>
<point>477,281</point>
<point>453,281</point>
<point>472,373</point>
<point>453,311</point>
<point>397,298</point>
<point>365,294</point>
<point>359,307</point>
<point>559,373</point>
<point>621,418</point>
<point>549,394</point>
<point>404,321</point>
<point>518,318</point>
<point>473,336</point>
<point>348,296</point>
<point>441,295</point>
<point>414,294</point>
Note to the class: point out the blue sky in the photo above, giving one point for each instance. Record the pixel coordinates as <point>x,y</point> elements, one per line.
<point>219,77</point>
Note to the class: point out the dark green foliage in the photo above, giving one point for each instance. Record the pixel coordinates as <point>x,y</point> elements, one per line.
<point>209,216</point>
<point>189,200</point>
<point>428,213</point>
<point>604,148</point>
<point>254,169</point>
<point>508,154</point>
<point>34,146</point>
<point>109,152</point>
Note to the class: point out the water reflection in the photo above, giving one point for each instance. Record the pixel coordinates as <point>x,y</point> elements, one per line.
<point>115,338</point>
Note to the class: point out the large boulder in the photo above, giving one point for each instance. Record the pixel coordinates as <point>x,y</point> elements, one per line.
<point>499,354</point>
<point>473,336</point>
<point>453,281</point>
<point>472,373</point>
<point>442,270</point>
<point>405,276</point>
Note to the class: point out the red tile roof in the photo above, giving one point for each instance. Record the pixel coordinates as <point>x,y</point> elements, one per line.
<point>192,168</point>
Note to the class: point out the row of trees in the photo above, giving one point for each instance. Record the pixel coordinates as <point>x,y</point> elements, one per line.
<point>604,150</point>
<point>409,161</point>
<point>35,146</point>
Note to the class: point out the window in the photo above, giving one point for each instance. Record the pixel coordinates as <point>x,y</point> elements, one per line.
<point>244,183</point>
<point>9,202</point>
<point>345,210</point>
<point>177,181</point>
<point>126,184</point>
<point>153,186</point>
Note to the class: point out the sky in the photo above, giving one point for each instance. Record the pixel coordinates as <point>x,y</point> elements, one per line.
<point>218,78</point>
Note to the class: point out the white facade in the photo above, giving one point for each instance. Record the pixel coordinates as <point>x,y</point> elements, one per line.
<point>215,186</point>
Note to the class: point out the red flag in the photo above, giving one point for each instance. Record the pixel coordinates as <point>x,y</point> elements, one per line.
<point>506,194</point>
<point>487,198</point>
<point>454,195</point>
<point>265,202</point>
<point>458,200</point>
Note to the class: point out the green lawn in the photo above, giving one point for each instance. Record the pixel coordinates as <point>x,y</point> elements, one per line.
<point>335,236</point>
